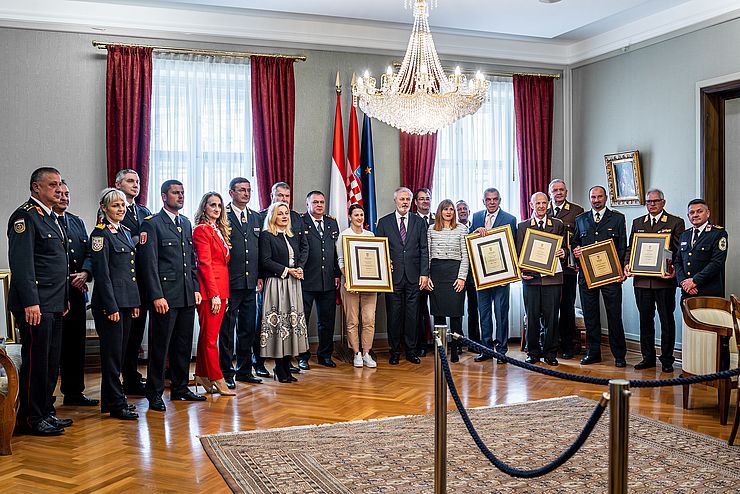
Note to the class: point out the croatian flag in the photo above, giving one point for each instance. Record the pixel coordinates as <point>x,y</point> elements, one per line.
<point>354,178</point>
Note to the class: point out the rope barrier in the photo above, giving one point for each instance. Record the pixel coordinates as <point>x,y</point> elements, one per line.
<point>507,469</point>
<point>634,383</point>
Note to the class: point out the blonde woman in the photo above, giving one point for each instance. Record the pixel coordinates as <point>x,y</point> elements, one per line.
<point>283,333</point>
<point>211,243</point>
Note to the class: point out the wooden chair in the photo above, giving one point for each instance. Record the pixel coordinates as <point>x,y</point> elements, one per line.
<point>736,310</point>
<point>8,401</point>
<point>705,320</point>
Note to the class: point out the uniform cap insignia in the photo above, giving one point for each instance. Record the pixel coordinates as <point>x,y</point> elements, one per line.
<point>142,238</point>
<point>97,244</point>
<point>19,226</point>
<point>722,244</point>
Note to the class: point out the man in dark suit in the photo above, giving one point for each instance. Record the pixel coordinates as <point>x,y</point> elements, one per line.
<point>240,322</point>
<point>423,203</point>
<point>168,269</point>
<point>463,217</point>
<point>599,224</point>
<point>700,262</point>
<point>566,212</point>
<point>321,276</point>
<point>38,299</point>
<point>72,365</point>
<point>541,292</point>
<point>651,291</point>
<point>127,181</point>
<point>409,251</point>
<point>491,217</point>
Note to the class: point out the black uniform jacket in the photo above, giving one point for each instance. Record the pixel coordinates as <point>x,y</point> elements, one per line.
<point>38,260</point>
<point>77,240</point>
<point>274,257</point>
<point>553,226</point>
<point>612,226</point>
<point>114,268</point>
<point>672,225</point>
<point>704,262</point>
<point>244,259</point>
<point>133,223</point>
<point>322,265</point>
<point>168,260</point>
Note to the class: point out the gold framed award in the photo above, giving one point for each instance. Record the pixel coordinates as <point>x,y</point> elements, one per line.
<point>367,264</point>
<point>648,256</point>
<point>600,264</point>
<point>493,258</point>
<point>7,321</point>
<point>538,252</point>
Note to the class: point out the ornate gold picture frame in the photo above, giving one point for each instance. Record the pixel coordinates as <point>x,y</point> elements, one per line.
<point>624,176</point>
<point>493,258</point>
<point>367,264</point>
<point>538,252</point>
<point>600,264</point>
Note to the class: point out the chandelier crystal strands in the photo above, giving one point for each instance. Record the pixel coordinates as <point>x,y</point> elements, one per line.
<point>420,99</point>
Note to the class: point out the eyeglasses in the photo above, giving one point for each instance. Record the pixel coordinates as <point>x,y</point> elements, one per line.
<point>654,201</point>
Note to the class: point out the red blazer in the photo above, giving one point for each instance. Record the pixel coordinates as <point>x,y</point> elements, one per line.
<point>213,257</point>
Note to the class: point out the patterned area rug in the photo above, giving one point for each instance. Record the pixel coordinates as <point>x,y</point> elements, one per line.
<point>396,455</point>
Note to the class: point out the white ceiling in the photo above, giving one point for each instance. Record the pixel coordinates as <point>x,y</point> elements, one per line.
<point>524,32</point>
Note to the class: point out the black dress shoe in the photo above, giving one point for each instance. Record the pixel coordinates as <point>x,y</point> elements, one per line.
<point>137,389</point>
<point>293,369</point>
<point>156,403</point>
<point>454,357</point>
<point>186,395</point>
<point>327,362</point>
<point>124,414</point>
<point>246,378</point>
<point>393,360</point>
<point>566,355</point>
<point>413,359</point>
<point>304,365</point>
<point>645,364</point>
<point>262,372</point>
<point>43,428</point>
<point>531,359</point>
<point>230,382</point>
<point>292,379</point>
<point>667,368</point>
<point>620,362</point>
<point>128,407</point>
<point>482,357</point>
<point>590,359</point>
<point>57,422</point>
<point>551,361</point>
<point>80,401</point>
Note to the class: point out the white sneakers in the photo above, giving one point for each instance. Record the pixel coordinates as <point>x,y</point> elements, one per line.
<point>365,360</point>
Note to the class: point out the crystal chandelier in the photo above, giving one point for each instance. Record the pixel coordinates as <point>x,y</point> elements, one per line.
<point>420,99</point>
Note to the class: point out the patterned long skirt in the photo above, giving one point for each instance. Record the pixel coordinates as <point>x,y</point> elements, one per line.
<point>283,331</point>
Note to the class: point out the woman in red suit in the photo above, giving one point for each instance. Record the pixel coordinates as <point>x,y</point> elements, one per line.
<point>211,242</point>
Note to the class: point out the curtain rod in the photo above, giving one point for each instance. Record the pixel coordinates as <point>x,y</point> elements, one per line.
<point>451,70</point>
<point>102,45</point>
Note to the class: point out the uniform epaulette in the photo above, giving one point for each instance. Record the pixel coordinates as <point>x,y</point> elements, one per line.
<point>717,226</point>
<point>27,206</point>
<point>150,216</point>
<point>330,217</point>
<point>100,226</point>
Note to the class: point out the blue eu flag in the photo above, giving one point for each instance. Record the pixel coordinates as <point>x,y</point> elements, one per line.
<point>367,165</point>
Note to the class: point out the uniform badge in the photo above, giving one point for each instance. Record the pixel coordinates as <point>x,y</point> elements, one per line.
<point>567,206</point>
<point>97,244</point>
<point>19,226</point>
<point>722,244</point>
<point>39,210</point>
<point>142,238</point>
<point>112,229</point>
<point>179,229</point>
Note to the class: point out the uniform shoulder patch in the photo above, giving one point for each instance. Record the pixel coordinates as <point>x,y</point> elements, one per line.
<point>19,226</point>
<point>722,245</point>
<point>97,243</point>
<point>142,238</point>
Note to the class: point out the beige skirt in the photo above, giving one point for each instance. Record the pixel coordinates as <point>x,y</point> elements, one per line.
<point>283,331</point>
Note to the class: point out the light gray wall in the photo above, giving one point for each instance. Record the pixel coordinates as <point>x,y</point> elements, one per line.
<point>645,100</point>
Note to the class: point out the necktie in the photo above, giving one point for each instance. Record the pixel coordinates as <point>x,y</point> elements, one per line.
<point>557,211</point>
<point>541,224</point>
<point>132,209</point>
<point>598,217</point>
<point>177,223</point>
<point>426,219</point>
<point>62,229</point>
<point>695,236</point>
<point>402,230</point>
<point>319,227</point>
<point>652,222</point>
<point>243,217</point>
<point>489,221</point>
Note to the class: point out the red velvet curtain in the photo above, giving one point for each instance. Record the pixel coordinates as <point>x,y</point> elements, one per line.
<point>417,161</point>
<point>128,88</point>
<point>273,122</point>
<point>533,103</point>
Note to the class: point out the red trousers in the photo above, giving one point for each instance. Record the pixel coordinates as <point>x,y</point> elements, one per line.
<point>206,360</point>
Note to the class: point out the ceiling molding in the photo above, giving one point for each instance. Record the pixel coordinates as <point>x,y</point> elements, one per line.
<point>318,32</point>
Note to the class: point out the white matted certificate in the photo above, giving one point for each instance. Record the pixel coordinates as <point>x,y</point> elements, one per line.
<point>493,257</point>
<point>367,264</point>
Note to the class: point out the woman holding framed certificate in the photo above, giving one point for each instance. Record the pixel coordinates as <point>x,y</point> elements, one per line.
<point>356,303</point>
<point>448,270</point>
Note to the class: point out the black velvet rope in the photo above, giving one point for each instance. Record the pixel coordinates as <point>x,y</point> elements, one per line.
<point>507,469</point>
<point>634,383</point>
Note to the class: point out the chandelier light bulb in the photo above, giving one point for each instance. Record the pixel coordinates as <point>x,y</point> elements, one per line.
<point>367,74</point>
<point>389,70</point>
<point>457,70</point>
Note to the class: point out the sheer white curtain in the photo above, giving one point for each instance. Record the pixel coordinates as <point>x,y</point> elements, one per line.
<point>477,152</point>
<point>201,126</point>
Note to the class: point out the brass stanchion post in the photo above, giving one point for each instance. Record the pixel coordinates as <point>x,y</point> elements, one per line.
<point>440,413</point>
<point>619,410</point>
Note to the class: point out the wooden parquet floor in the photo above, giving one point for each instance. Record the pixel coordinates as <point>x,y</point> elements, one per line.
<point>161,452</point>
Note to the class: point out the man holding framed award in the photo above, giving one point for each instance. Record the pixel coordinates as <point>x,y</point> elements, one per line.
<point>598,225</point>
<point>655,286</point>
<point>539,245</point>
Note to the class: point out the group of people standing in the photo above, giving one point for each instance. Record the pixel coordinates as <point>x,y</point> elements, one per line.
<point>254,278</point>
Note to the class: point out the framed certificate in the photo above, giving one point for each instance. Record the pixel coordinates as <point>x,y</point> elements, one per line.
<point>7,322</point>
<point>367,264</point>
<point>600,264</point>
<point>493,258</point>
<point>538,252</point>
<point>648,254</point>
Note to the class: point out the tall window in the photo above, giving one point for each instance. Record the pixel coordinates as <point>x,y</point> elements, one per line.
<point>477,152</point>
<point>201,126</point>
